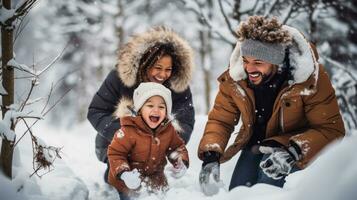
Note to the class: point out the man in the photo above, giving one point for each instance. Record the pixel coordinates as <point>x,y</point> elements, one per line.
<point>284,99</point>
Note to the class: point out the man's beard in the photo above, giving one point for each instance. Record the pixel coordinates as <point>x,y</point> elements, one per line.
<point>265,79</point>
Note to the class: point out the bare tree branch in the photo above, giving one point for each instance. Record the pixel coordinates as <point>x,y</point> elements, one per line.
<point>348,108</point>
<point>227,20</point>
<point>250,11</point>
<point>33,83</point>
<point>206,22</point>
<point>271,8</point>
<point>54,60</point>
<point>48,98</point>
<point>20,28</point>
<point>45,113</point>
<point>58,100</point>
<point>288,14</point>
<point>338,65</point>
<point>39,154</point>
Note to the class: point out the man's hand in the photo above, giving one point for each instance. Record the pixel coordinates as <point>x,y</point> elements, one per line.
<point>210,174</point>
<point>280,161</point>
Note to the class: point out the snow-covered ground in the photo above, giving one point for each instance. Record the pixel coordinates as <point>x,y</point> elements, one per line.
<point>79,175</point>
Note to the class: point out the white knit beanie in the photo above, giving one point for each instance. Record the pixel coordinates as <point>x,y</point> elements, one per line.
<point>149,89</point>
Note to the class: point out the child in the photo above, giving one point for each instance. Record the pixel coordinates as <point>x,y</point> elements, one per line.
<point>139,148</point>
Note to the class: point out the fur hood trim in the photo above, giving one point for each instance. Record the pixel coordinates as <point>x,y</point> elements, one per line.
<point>122,108</point>
<point>130,55</point>
<point>302,59</point>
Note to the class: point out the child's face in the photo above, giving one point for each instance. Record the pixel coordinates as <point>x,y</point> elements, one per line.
<point>153,111</point>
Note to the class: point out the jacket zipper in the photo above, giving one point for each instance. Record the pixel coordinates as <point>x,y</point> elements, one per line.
<point>282,117</point>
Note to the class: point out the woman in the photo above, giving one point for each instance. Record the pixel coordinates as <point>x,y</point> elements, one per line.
<point>158,55</point>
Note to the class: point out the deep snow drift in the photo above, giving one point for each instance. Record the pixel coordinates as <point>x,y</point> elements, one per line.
<point>79,175</point>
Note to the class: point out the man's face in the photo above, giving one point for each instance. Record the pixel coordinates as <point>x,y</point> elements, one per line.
<point>258,70</point>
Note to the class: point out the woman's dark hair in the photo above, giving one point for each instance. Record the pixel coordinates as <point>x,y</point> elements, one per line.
<point>153,54</point>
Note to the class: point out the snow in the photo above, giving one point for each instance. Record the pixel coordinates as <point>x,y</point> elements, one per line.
<point>179,170</point>
<point>11,116</point>
<point>306,92</point>
<point>79,175</point>
<point>6,14</point>
<point>20,67</point>
<point>2,89</point>
<point>131,179</point>
<point>332,175</point>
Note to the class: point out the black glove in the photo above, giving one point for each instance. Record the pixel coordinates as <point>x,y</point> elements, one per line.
<point>210,166</point>
<point>280,161</point>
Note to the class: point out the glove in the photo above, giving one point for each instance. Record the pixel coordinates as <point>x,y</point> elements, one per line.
<point>280,161</point>
<point>131,179</point>
<point>210,174</point>
<point>179,169</point>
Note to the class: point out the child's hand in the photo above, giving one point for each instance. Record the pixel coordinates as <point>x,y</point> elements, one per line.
<point>131,179</point>
<point>179,169</point>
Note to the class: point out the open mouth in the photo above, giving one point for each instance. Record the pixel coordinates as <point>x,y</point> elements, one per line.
<point>159,80</point>
<point>154,119</point>
<point>255,74</point>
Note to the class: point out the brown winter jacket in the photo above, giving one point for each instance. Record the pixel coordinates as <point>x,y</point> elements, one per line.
<point>135,145</point>
<point>305,111</point>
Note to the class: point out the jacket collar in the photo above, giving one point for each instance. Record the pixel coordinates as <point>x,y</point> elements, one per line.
<point>138,122</point>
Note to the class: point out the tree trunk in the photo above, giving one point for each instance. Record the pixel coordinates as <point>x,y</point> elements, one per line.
<point>7,147</point>
<point>236,13</point>
<point>206,57</point>
<point>119,27</point>
<point>312,23</point>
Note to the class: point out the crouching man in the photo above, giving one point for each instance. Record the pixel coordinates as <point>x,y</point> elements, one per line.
<point>285,100</point>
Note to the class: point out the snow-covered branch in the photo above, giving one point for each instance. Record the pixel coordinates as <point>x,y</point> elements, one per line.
<point>11,116</point>
<point>2,89</point>
<point>8,16</point>
<point>21,67</point>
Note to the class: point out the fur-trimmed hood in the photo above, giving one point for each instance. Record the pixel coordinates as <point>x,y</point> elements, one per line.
<point>303,59</point>
<point>130,55</point>
<point>125,109</point>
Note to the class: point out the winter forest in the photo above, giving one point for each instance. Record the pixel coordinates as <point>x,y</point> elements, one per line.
<point>56,54</point>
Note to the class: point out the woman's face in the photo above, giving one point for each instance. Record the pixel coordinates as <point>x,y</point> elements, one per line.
<point>257,70</point>
<point>161,70</point>
<point>153,111</point>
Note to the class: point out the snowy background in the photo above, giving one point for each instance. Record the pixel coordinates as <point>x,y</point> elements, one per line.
<point>86,34</point>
